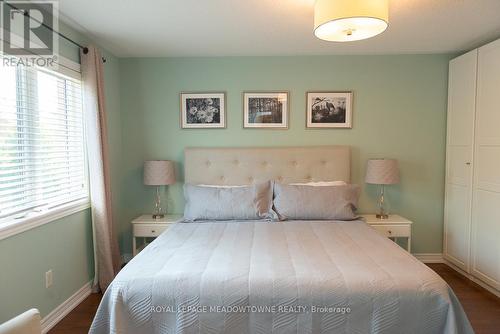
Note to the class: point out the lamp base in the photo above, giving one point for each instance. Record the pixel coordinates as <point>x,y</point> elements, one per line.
<point>158,211</point>
<point>382,216</point>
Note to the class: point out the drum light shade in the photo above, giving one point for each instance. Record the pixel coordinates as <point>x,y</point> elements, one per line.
<point>382,171</point>
<point>158,172</point>
<point>350,20</point>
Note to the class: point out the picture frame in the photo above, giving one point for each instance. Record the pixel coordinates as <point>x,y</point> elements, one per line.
<point>329,110</point>
<point>203,110</point>
<point>265,110</point>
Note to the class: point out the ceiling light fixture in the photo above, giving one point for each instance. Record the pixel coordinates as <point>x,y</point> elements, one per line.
<point>350,20</point>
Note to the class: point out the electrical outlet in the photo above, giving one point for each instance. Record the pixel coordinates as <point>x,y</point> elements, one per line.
<point>48,279</point>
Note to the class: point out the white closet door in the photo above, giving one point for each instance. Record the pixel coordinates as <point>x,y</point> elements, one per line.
<point>486,193</point>
<point>459,151</point>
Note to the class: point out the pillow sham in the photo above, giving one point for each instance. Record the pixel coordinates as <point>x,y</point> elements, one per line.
<point>217,186</point>
<point>320,183</point>
<point>316,203</point>
<point>234,203</point>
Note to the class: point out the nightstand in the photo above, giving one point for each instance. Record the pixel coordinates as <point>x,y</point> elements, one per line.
<point>394,227</point>
<point>146,226</point>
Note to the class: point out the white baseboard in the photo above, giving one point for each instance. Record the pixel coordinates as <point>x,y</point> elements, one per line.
<point>51,319</point>
<point>430,257</point>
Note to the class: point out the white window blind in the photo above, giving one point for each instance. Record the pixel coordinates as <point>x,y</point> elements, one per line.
<point>42,157</point>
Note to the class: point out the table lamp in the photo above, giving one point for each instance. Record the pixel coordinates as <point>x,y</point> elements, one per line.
<point>158,173</point>
<point>382,172</point>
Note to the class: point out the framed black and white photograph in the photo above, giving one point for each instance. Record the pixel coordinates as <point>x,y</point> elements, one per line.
<point>266,110</point>
<point>329,110</point>
<point>203,110</point>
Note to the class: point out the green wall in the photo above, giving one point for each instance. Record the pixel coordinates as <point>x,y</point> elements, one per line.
<point>399,112</point>
<point>65,245</point>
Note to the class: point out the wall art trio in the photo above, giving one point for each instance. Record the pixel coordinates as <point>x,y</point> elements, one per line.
<point>266,110</point>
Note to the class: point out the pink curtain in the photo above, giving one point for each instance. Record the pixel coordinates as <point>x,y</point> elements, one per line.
<point>106,253</point>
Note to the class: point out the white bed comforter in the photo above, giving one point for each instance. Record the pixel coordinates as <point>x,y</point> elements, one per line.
<point>289,277</point>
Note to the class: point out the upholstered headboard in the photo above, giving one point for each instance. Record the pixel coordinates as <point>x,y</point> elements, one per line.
<point>237,166</point>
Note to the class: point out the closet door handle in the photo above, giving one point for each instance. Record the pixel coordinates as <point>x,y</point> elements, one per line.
<point>467,163</point>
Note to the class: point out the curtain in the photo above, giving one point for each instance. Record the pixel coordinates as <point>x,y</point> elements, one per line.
<point>106,254</point>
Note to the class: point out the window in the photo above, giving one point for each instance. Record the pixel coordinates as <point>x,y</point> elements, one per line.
<point>42,157</point>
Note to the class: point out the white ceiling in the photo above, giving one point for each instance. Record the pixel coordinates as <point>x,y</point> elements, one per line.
<point>155,28</point>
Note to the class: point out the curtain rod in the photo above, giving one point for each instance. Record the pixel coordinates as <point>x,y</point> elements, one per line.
<point>26,13</point>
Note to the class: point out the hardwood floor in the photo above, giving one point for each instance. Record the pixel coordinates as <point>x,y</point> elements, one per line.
<point>482,307</point>
<point>79,320</point>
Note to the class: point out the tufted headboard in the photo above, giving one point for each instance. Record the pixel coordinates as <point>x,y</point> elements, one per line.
<point>238,166</point>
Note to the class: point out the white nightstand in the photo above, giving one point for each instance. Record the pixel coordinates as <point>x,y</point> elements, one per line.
<point>146,226</point>
<point>394,227</point>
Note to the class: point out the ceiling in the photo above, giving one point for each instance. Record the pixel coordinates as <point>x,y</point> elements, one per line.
<point>157,28</point>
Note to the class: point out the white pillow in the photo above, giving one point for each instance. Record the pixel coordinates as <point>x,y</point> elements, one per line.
<point>218,186</point>
<point>321,183</point>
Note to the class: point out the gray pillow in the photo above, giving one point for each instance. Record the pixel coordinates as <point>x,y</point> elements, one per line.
<point>321,203</point>
<point>223,203</point>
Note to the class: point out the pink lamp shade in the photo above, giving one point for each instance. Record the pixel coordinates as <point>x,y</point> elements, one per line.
<point>159,172</point>
<point>382,171</point>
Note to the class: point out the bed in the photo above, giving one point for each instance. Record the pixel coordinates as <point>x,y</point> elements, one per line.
<point>276,277</point>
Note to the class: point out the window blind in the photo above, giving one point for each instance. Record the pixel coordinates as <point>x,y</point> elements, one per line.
<point>42,157</point>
